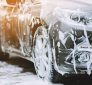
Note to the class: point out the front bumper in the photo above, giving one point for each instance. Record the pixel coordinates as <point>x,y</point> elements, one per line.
<point>68,66</point>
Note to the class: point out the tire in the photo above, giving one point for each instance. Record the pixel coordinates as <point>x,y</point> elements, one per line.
<point>4,56</point>
<point>43,61</point>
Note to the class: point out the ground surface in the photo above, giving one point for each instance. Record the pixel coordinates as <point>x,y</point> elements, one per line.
<point>17,71</point>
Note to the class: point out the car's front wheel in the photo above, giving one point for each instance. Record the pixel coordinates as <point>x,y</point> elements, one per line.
<point>43,61</point>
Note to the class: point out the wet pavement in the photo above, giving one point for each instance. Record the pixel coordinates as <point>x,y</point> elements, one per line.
<point>18,71</point>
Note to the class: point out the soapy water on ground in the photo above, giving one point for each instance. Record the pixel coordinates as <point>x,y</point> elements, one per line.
<point>19,74</point>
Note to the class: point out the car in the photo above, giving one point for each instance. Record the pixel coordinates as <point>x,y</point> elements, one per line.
<point>65,48</point>
<point>60,49</point>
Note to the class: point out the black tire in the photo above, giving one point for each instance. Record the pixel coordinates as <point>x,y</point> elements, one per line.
<point>4,56</point>
<point>51,74</point>
<point>55,76</point>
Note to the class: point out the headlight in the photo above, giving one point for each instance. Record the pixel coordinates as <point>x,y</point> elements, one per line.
<point>82,57</point>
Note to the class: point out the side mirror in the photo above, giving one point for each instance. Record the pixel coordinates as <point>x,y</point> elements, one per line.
<point>11,2</point>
